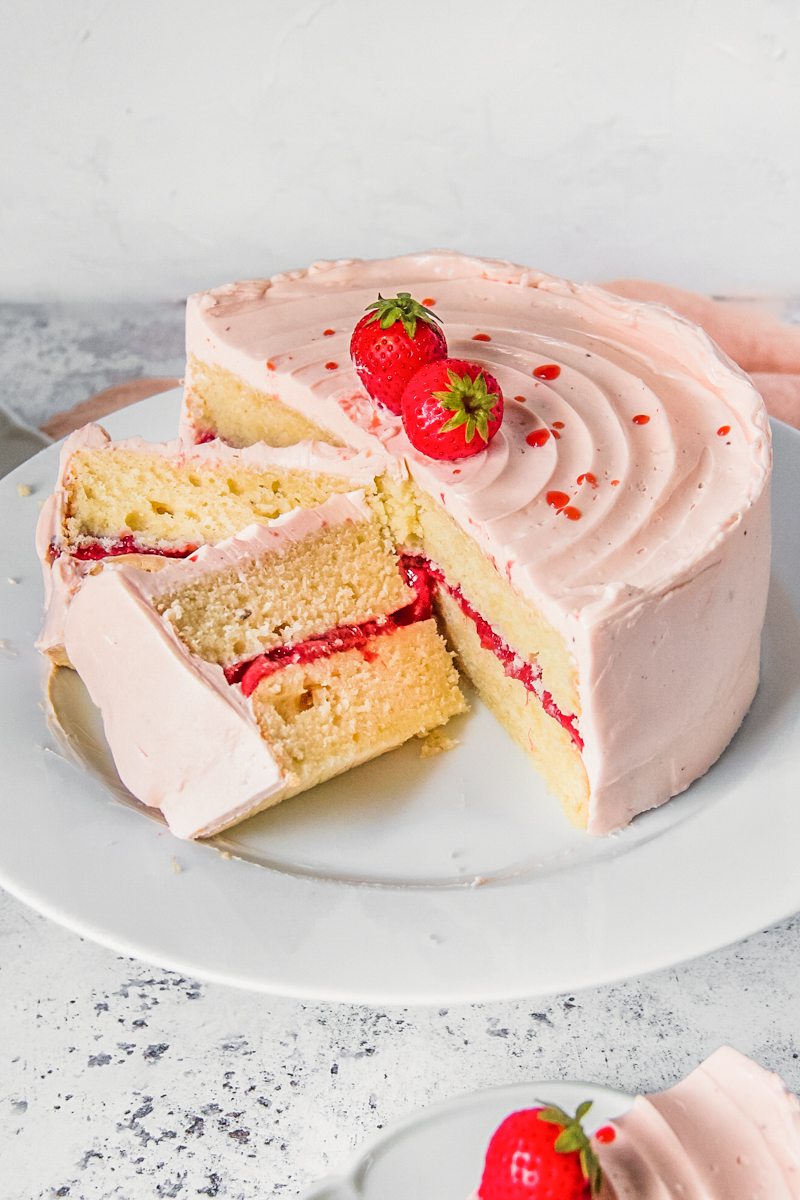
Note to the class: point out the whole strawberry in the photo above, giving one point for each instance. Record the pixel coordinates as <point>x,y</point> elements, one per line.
<point>452,409</point>
<point>390,343</point>
<point>541,1154</point>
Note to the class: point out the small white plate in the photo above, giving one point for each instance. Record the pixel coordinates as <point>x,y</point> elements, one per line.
<point>438,1153</point>
<point>409,880</point>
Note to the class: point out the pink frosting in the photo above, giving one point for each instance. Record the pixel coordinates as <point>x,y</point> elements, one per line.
<point>182,738</point>
<point>659,588</point>
<point>729,1131</point>
<point>65,574</point>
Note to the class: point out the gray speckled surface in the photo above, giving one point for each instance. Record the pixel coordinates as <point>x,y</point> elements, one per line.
<point>118,1079</point>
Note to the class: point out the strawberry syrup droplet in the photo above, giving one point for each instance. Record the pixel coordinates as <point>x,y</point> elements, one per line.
<point>328,332</point>
<point>558,424</point>
<point>615,483</point>
<point>481,337</point>
<point>641,419</point>
<point>270,365</point>
<point>521,399</point>
<point>331,366</point>
<point>723,431</point>
<point>588,477</point>
<point>538,437</point>
<point>547,371</point>
<point>573,513</point>
<point>429,302</point>
<point>605,1135</point>
<point>555,433</point>
<point>557,500</point>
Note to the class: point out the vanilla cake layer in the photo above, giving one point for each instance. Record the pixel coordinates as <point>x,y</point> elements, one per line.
<point>647,589</point>
<point>210,746</point>
<point>225,407</point>
<point>241,598</point>
<point>167,499</point>
<point>335,713</point>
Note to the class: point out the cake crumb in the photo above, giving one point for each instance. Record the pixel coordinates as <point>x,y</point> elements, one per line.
<point>225,854</point>
<point>176,866</point>
<point>13,582</point>
<point>436,742</point>
<point>7,649</point>
<point>24,489</point>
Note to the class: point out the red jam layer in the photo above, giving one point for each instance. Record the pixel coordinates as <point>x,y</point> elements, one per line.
<point>529,674</point>
<point>94,551</point>
<point>248,674</point>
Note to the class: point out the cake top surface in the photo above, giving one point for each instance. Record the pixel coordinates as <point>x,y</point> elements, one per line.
<point>660,443</point>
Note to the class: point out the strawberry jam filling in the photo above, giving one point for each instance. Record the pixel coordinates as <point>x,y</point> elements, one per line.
<point>93,551</point>
<point>248,674</point>
<point>514,665</point>
<point>424,577</point>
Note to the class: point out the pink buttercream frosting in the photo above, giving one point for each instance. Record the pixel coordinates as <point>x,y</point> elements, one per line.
<point>183,739</point>
<point>659,587</point>
<point>729,1131</point>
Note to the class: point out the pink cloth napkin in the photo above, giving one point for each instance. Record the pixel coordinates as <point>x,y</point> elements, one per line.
<point>754,337</point>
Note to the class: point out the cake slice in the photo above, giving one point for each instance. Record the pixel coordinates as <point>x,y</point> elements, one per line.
<point>145,502</point>
<point>263,665</point>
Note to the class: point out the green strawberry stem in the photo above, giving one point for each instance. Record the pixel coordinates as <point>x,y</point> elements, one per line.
<point>402,307</point>
<point>471,404</point>
<point>574,1139</point>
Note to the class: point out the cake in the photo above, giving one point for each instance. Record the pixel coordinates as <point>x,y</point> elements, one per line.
<point>601,569</point>
<point>262,665</point>
<point>729,1131</point>
<point>142,502</point>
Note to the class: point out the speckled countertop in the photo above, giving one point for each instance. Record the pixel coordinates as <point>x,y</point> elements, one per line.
<point>118,1079</point>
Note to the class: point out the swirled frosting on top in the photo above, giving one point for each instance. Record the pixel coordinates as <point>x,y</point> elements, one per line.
<point>729,1131</point>
<point>630,429</point>
<point>626,494</point>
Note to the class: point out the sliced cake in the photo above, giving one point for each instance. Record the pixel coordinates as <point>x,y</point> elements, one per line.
<point>258,667</point>
<point>146,502</point>
<point>602,567</point>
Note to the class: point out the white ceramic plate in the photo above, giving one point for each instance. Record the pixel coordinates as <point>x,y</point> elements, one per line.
<point>409,880</point>
<point>438,1154</point>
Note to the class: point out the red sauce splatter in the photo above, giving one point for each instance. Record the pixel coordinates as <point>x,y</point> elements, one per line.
<point>571,512</point>
<point>331,366</point>
<point>723,431</point>
<point>538,437</point>
<point>547,371</point>
<point>557,500</point>
<point>429,302</point>
<point>521,399</point>
<point>641,419</point>
<point>558,424</point>
<point>605,1135</point>
<point>556,434</point>
<point>328,332</point>
<point>588,477</point>
<point>270,365</point>
<point>615,483</point>
<point>481,337</point>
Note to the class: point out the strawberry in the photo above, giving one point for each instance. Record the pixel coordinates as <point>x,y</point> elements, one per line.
<point>452,409</point>
<point>390,343</point>
<point>541,1154</point>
